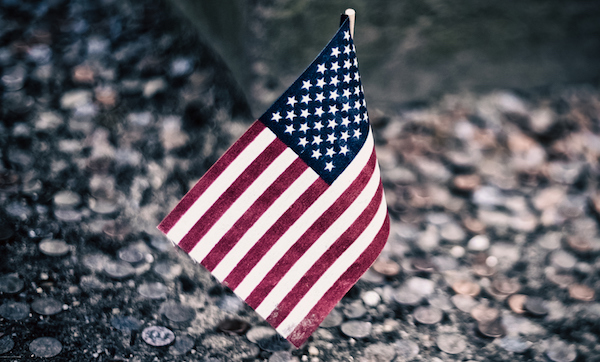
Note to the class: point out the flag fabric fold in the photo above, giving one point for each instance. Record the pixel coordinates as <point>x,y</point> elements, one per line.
<point>293,213</point>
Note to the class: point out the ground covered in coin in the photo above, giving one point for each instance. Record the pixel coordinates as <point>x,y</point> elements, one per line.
<point>112,110</point>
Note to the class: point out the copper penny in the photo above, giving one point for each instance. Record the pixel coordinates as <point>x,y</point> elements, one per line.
<point>516,302</point>
<point>386,267</point>
<point>581,292</point>
<point>474,225</point>
<point>483,270</point>
<point>493,329</point>
<point>483,313</point>
<point>466,287</point>
<point>506,286</point>
<point>579,244</point>
<point>467,182</point>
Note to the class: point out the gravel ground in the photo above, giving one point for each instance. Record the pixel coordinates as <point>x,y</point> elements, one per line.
<point>112,110</point>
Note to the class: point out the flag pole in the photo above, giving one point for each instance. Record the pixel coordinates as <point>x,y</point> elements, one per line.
<point>349,14</point>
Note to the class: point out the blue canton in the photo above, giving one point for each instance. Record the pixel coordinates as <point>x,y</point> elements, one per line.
<point>323,115</point>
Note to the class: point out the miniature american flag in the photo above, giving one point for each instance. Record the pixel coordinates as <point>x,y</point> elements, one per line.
<point>293,213</point>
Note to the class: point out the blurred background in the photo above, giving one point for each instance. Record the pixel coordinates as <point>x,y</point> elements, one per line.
<point>409,50</point>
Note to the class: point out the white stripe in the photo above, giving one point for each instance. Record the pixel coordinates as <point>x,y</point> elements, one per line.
<point>214,191</point>
<point>242,204</point>
<point>320,246</point>
<point>327,280</point>
<point>264,222</point>
<point>288,239</point>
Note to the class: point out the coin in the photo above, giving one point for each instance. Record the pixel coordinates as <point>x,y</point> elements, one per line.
<point>579,244</point>
<point>177,312</point>
<point>117,229</point>
<point>153,290</point>
<point>536,306</point>
<point>66,199</point>
<point>581,292</point>
<point>559,351</point>
<point>516,302</point>
<point>506,286</point>
<point>257,333</point>
<point>463,302</point>
<point>515,344</point>
<point>406,296</point>
<point>233,326</point>
<point>483,313</point>
<point>11,284</point>
<point>493,329</point>
<point>274,343</point>
<point>14,311</point>
<point>131,254</point>
<point>45,347</point>
<point>118,270</point>
<point>68,215</point>
<point>355,310</point>
<point>451,343</point>
<point>46,306</point>
<point>386,267</point>
<point>467,182</point>
<point>356,329</point>
<point>483,270</point>
<point>6,344</point>
<point>95,262</point>
<point>423,265</point>
<point>182,345</point>
<point>53,247</point>
<point>168,270</point>
<point>406,349</point>
<point>466,287</point>
<point>126,323</point>
<point>158,336</point>
<point>428,315</point>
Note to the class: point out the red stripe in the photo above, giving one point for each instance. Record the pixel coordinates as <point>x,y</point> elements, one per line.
<point>325,261</point>
<point>210,176</point>
<point>274,233</point>
<point>312,234</point>
<point>255,211</point>
<point>233,192</point>
<point>308,325</point>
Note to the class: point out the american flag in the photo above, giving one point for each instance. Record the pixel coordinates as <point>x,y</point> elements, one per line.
<point>293,213</point>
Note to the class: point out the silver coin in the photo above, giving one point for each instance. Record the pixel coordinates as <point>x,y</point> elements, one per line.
<point>68,215</point>
<point>356,329</point>
<point>406,296</point>
<point>451,343</point>
<point>406,349</point>
<point>11,284</point>
<point>183,344</point>
<point>355,310</point>
<point>168,270</point>
<point>131,254</point>
<point>6,344</point>
<point>103,206</point>
<point>428,315</point>
<point>515,344</point>
<point>177,312</point>
<point>333,319</point>
<point>46,306</point>
<point>464,302</point>
<point>153,290</point>
<point>54,247</point>
<point>66,199</point>
<point>95,262</point>
<point>14,311</point>
<point>158,336</point>
<point>536,306</point>
<point>559,351</point>
<point>45,347</point>
<point>119,270</point>
<point>380,352</point>
<point>257,333</point>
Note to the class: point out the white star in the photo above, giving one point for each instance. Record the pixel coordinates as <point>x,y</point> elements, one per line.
<point>318,125</point>
<point>345,122</point>
<point>304,113</point>
<point>330,152</point>
<point>306,98</point>
<point>316,154</point>
<point>292,101</point>
<point>320,82</point>
<point>303,142</point>
<point>334,95</point>
<point>331,123</point>
<point>303,127</point>
<point>290,115</point>
<point>346,107</point>
<point>345,136</point>
<point>346,93</point>
<point>347,49</point>
<point>321,68</point>
<point>356,76</point>
<point>335,67</point>
<point>344,150</point>
<point>320,97</point>
<point>356,90</point>
<point>317,140</point>
<point>356,105</point>
<point>276,117</point>
<point>334,81</point>
<point>319,111</point>
<point>357,133</point>
<point>356,62</point>
<point>347,64</point>
<point>306,84</point>
<point>335,52</point>
<point>331,138</point>
<point>347,35</point>
<point>364,102</point>
<point>333,109</point>
<point>347,78</point>
<point>365,117</point>
<point>329,166</point>
<point>356,119</point>
<point>289,128</point>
